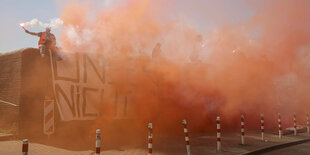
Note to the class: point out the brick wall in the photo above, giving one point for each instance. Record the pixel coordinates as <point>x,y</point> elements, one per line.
<point>35,85</point>
<point>25,80</point>
<point>10,79</point>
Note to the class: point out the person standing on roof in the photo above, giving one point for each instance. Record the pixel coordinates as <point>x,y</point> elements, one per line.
<point>47,40</point>
<point>157,53</point>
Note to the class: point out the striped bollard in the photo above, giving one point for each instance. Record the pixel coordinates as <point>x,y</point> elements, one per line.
<point>262,127</point>
<point>25,147</point>
<point>295,125</point>
<point>242,129</point>
<point>308,123</point>
<point>188,149</point>
<point>280,125</point>
<point>218,134</point>
<point>150,139</point>
<point>98,141</point>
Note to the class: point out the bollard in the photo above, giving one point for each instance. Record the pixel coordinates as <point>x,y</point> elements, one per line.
<point>186,137</point>
<point>98,141</point>
<point>25,147</point>
<point>218,134</point>
<point>308,123</point>
<point>295,125</point>
<point>262,127</point>
<point>242,129</point>
<point>150,139</point>
<point>280,126</point>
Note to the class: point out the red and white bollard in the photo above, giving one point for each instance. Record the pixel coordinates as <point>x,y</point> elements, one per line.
<point>218,134</point>
<point>280,125</point>
<point>295,125</point>
<point>150,139</point>
<point>188,149</point>
<point>242,129</point>
<point>25,147</point>
<point>98,141</point>
<point>262,127</point>
<point>308,131</point>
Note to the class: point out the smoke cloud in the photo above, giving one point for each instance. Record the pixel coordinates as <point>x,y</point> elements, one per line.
<point>260,65</point>
<point>54,23</point>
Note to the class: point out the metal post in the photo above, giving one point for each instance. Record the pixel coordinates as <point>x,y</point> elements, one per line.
<point>308,123</point>
<point>25,147</point>
<point>262,121</point>
<point>295,125</point>
<point>280,125</point>
<point>98,141</point>
<point>242,129</point>
<point>218,134</point>
<point>186,137</point>
<point>150,139</point>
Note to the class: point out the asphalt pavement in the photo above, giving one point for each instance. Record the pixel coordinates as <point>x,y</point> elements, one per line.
<point>201,144</point>
<point>301,149</point>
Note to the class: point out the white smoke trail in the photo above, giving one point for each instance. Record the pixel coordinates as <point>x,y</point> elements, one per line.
<point>54,23</point>
<point>78,36</point>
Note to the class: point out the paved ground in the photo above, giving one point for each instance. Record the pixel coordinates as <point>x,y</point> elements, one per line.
<point>301,149</point>
<point>200,144</point>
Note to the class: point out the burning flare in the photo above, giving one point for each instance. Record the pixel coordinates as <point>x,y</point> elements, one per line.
<point>22,24</point>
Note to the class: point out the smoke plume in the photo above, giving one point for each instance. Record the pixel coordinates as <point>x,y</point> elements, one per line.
<point>260,65</point>
<point>54,23</point>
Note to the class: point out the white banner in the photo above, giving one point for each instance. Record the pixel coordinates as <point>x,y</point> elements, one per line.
<point>80,84</point>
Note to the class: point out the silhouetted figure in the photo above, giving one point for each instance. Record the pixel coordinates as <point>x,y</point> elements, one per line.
<point>156,53</point>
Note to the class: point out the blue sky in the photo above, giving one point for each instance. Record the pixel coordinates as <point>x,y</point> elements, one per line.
<point>210,14</point>
<point>14,12</point>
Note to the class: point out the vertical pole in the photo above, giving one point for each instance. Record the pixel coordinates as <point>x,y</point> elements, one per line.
<point>295,125</point>
<point>280,125</point>
<point>218,134</point>
<point>186,137</point>
<point>242,129</point>
<point>25,147</point>
<point>150,139</point>
<point>98,141</point>
<point>262,127</point>
<point>308,123</point>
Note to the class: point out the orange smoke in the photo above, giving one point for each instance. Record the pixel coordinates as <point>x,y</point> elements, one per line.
<point>251,67</point>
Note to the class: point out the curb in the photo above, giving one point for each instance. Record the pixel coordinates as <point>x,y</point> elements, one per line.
<point>276,147</point>
<point>7,137</point>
